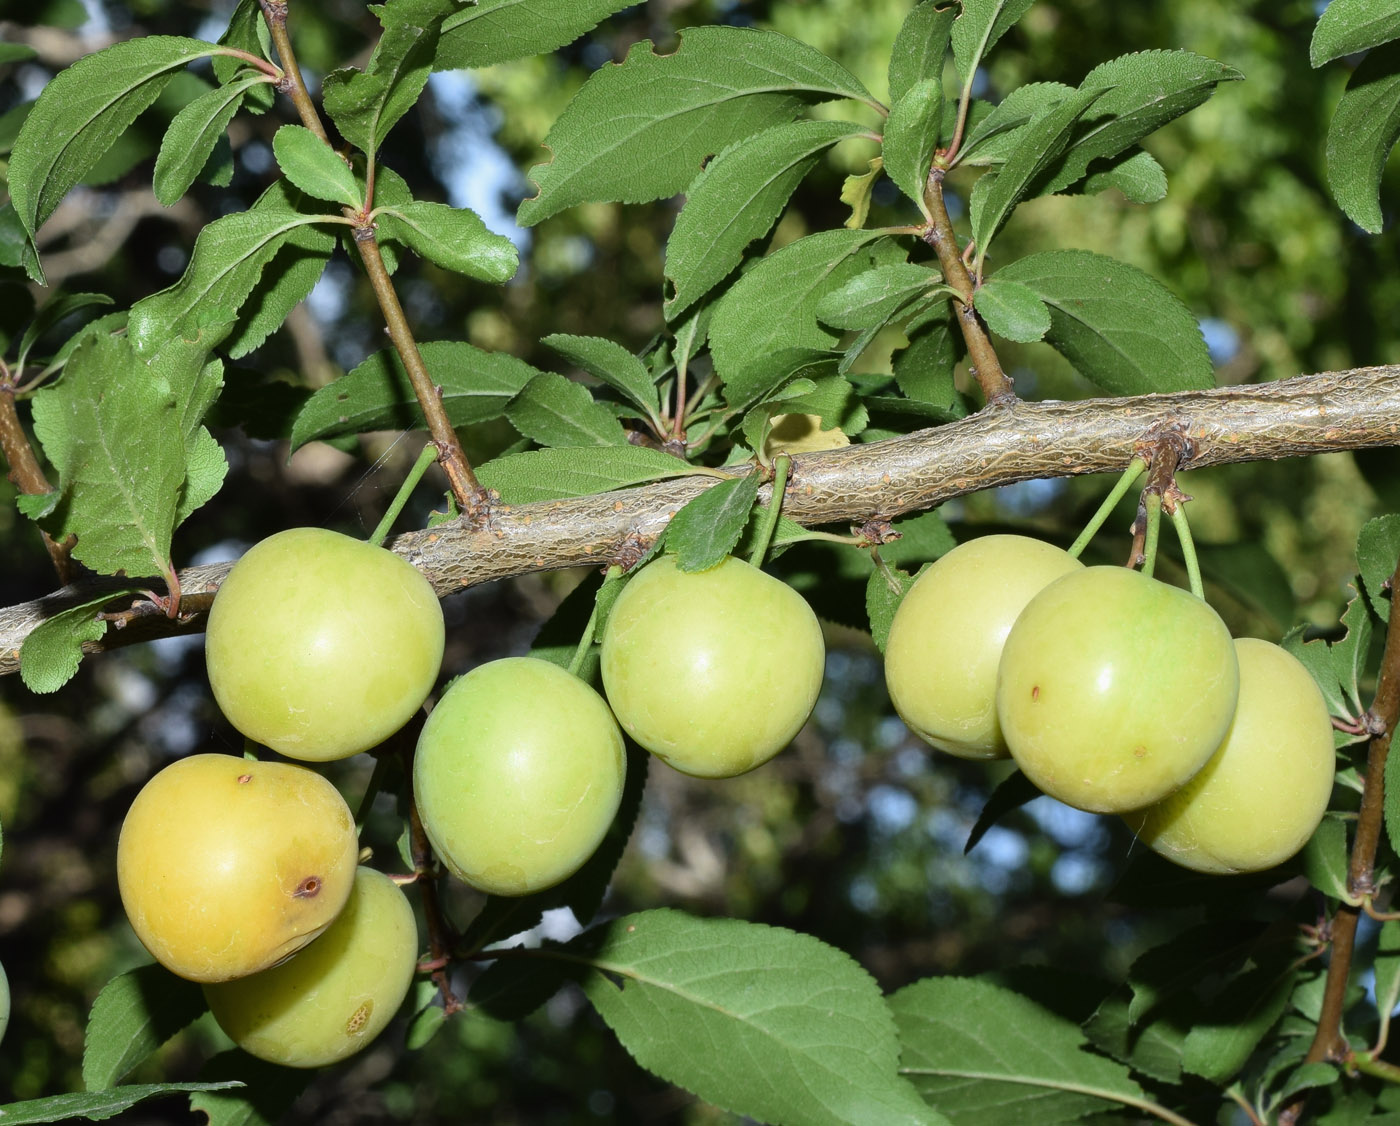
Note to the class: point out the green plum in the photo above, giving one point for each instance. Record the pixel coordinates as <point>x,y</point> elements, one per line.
<point>334,997</point>
<point>225,866</point>
<point>518,774</point>
<point>946,638</point>
<point>1263,793</point>
<point>712,671</point>
<point>1114,688</point>
<point>320,646</point>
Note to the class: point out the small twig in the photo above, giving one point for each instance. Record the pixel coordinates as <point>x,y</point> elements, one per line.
<point>1329,1043</point>
<point>441,938</point>
<point>26,474</point>
<point>996,386</point>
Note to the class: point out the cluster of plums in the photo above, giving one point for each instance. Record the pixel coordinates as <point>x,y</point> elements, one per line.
<point>1115,693</point>
<point>319,647</point>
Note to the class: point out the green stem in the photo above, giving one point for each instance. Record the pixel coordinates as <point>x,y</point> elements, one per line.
<point>1188,549</point>
<point>1153,503</point>
<point>586,641</point>
<point>425,459</point>
<point>1372,1066</point>
<point>781,465</point>
<point>1136,468</point>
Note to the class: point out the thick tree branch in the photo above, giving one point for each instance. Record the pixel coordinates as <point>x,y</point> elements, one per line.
<point>1307,415</point>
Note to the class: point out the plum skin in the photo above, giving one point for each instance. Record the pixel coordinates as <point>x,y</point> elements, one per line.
<point>1263,793</point>
<point>332,998</point>
<point>713,671</point>
<point>225,866</point>
<point>1114,688</point>
<point>321,646</point>
<point>518,773</point>
<point>946,638</point>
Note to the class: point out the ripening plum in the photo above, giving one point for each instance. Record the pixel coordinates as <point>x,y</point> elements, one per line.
<point>1263,793</point>
<point>1114,688</point>
<point>320,646</point>
<point>946,638</point>
<point>518,774</point>
<point>332,998</point>
<point>712,671</point>
<point>225,865</point>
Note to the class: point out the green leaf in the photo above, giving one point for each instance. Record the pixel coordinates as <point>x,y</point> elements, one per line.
<point>875,297</point>
<point>980,25</point>
<point>1037,147</point>
<point>1162,975</point>
<point>856,191</point>
<point>16,52</point>
<point>920,46</point>
<point>377,395</point>
<point>643,130</point>
<point>706,529</point>
<point>135,1014</point>
<point>884,591</point>
<point>1387,965</point>
<point>1316,656</point>
<point>51,653</point>
<point>738,198</point>
<point>1377,550</point>
<point>229,257</point>
<point>987,1056</point>
<point>247,31</point>
<point>553,473</point>
<point>96,1105</point>
<point>1363,131</point>
<point>314,167</point>
<point>1325,855</point>
<point>766,375</point>
<point>121,431</point>
<point>1347,27</point>
<point>555,411</point>
<point>1141,92</point>
<point>365,105</point>
<point>263,1098</point>
<point>614,365</point>
<point>911,135</point>
<point>924,370</point>
<point>757,1020</point>
<point>1221,1042</point>
<point>496,31</point>
<point>773,307</point>
<point>1012,792</point>
<point>193,133</point>
<point>995,137</point>
<point>291,273</point>
<point>922,538</point>
<point>1152,1047</point>
<point>1138,176</point>
<point>1013,310</point>
<point>1120,327</point>
<point>454,238</point>
<point>81,113</point>
<point>50,314</point>
<point>1350,653</point>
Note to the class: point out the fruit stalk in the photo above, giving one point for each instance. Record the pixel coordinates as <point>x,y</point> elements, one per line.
<point>774,509</point>
<point>410,482</point>
<point>1135,469</point>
